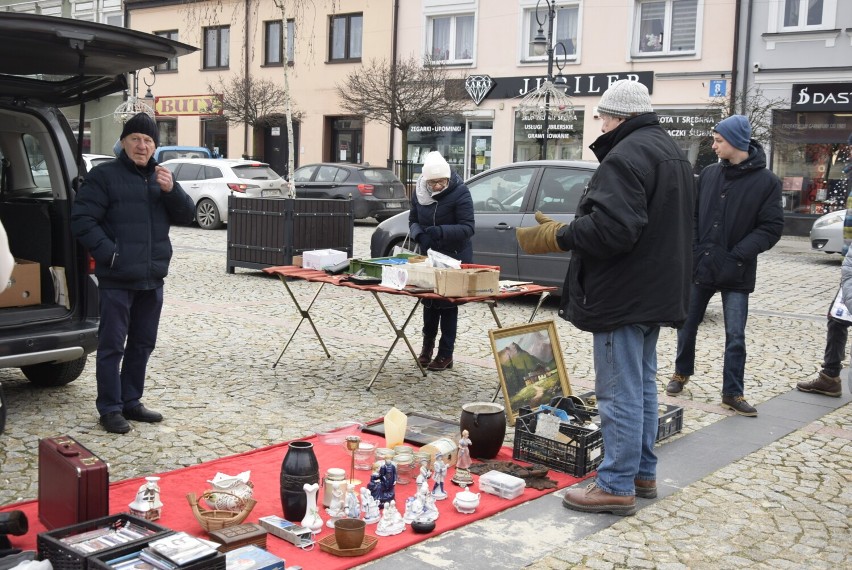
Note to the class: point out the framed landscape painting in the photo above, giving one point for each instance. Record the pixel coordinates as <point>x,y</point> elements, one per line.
<point>530,366</point>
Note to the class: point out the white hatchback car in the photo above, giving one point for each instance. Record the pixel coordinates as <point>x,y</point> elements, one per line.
<point>209,182</point>
<point>827,232</point>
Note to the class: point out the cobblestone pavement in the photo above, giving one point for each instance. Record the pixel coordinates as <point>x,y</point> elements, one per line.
<point>785,506</point>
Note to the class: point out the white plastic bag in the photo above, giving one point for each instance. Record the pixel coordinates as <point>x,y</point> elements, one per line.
<point>442,261</point>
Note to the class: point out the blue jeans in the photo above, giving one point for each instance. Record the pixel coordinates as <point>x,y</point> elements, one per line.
<point>626,390</point>
<point>127,335</point>
<point>735,310</point>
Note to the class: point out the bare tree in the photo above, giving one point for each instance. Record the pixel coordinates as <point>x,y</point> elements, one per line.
<point>756,106</point>
<point>246,99</point>
<point>403,93</point>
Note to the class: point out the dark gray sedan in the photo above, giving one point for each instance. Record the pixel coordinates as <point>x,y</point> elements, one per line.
<point>375,192</point>
<point>504,199</point>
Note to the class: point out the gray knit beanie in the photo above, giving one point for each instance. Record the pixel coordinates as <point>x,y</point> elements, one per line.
<point>625,98</point>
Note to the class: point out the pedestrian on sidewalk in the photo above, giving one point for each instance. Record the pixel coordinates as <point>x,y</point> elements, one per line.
<point>122,215</point>
<point>441,218</point>
<point>629,275</point>
<point>738,215</point>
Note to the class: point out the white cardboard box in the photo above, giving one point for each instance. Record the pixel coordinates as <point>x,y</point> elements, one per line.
<point>319,258</point>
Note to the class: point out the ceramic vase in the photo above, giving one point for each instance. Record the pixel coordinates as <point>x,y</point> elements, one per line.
<point>486,426</point>
<point>299,468</point>
<point>312,518</point>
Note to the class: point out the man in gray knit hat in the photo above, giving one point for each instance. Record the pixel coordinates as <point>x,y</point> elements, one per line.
<point>629,275</point>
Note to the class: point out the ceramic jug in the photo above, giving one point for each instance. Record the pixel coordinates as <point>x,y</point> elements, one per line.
<point>486,426</point>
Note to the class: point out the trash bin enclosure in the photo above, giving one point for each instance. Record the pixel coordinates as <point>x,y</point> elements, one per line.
<point>265,232</point>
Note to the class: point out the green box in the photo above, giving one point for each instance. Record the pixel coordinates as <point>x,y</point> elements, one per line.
<point>373,267</point>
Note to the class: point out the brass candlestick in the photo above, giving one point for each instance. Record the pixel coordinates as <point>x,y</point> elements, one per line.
<point>352,443</point>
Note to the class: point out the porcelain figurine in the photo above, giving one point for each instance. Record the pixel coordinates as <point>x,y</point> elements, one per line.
<point>391,522</point>
<point>337,507</point>
<point>414,506</point>
<point>387,477</point>
<point>369,506</point>
<point>147,504</point>
<point>237,489</point>
<point>462,474</point>
<point>375,485</point>
<point>424,472</point>
<point>312,518</point>
<point>351,505</point>
<point>465,501</point>
<point>430,509</point>
<point>439,473</point>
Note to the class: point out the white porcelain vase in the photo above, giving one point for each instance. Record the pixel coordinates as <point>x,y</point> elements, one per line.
<point>312,518</point>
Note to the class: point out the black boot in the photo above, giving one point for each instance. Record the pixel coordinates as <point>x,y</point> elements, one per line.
<point>426,352</point>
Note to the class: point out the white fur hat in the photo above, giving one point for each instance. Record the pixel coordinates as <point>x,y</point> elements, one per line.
<point>434,166</point>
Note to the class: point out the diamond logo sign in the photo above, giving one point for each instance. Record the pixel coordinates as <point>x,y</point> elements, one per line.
<point>478,86</point>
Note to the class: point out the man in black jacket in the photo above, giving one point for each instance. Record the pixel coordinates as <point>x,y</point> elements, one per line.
<point>738,215</point>
<point>628,276</point>
<point>122,215</point>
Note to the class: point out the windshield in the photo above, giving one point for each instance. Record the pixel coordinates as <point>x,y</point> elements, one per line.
<point>255,172</point>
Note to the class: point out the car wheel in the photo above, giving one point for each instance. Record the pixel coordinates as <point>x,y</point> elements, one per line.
<point>49,374</point>
<point>207,215</point>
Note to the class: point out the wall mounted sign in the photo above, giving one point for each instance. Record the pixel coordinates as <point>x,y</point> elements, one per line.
<point>478,86</point>
<point>186,105</point>
<point>821,97</point>
<point>583,85</point>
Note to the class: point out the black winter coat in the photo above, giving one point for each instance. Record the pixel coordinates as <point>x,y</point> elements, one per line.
<point>123,217</point>
<point>738,215</point>
<point>631,239</point>
<point>452,210</point>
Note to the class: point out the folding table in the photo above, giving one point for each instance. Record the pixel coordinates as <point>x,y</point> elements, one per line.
<point>287,272</point>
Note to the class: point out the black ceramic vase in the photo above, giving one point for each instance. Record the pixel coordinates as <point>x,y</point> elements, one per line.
<point>486,426</point>
<point>300,466</point>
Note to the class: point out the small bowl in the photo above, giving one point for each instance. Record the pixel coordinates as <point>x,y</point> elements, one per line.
<point>337,436</point>
<point>423,527</point>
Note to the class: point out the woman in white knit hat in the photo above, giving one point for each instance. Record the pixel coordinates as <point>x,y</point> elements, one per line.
<point>441,218</point>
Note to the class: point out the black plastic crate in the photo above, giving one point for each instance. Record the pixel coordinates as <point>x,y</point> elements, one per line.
<point>63,557</point>
<point>579,457</point>
<point>671,421</point>
<point>99,561</point>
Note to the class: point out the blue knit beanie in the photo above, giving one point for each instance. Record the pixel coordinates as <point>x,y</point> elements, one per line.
<point>736,130</point>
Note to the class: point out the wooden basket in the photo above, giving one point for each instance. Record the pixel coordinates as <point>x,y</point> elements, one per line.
<point>215,519</point>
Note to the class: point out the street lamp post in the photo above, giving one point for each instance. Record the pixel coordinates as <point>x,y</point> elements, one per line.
<point>542,45</point>
<point>134,104</point>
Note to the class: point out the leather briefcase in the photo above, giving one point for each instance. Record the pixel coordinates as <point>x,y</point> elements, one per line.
<point>73,483</point>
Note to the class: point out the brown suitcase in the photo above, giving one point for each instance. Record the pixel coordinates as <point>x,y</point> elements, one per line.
<point>73,483</point>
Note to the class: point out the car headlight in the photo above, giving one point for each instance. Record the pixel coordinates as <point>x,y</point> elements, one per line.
<point>832,218</point>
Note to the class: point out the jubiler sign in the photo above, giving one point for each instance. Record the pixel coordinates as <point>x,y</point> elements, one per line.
<point>821,97</point>
<point>182,105</point>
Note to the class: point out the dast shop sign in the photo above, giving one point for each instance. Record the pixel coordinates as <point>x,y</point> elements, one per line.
<point>186,105</point>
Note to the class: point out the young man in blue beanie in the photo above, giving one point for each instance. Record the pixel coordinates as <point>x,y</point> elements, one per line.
<point>122,215</point>
<point>738,215</point>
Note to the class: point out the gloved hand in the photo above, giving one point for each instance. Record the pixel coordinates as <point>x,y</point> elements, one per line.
<point>425,242</point>
<point>540,238</point>
<point>435,232</point>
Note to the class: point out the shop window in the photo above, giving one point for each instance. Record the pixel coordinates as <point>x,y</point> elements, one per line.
<point>565,30</point>
<point>215,136</point>
<point>217,44</point>
<point>447,137</point>
<point>168,131</point>
<point>565,140</point>
<point>345,37</point>
<point>450,38</point>
<point>273,53</point>
<point>665,27</point>
<point>172,64</point>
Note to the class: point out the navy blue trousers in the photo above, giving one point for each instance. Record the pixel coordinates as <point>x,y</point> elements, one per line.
<point>444,315</point>
<point>126,337</point>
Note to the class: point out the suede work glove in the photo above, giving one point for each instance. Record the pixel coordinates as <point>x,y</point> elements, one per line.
<point>540,238</point>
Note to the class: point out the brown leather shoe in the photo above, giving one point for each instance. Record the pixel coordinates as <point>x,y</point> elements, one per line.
<point>426,352</point>
<point>822,384</point>
<point>645,488</point>
<point>441,363</point>
<point>676,384</point>
<point>593,499</point>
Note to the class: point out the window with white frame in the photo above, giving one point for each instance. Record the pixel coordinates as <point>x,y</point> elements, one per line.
<point>565,28</point>
<point>450,38</point>
<point>806,14</point>
<point>665,27</point>
<point>217,44</point>
<point>273,54</point>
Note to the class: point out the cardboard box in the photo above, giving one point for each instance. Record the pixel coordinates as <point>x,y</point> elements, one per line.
<point>319,258</point>
<point>421,275</point>
<point>467,282</point>
<point>25,285</point>
<point>297,260</point>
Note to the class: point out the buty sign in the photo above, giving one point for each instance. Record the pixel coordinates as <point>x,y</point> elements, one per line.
<point>183,105</point>
<point>821,97</point>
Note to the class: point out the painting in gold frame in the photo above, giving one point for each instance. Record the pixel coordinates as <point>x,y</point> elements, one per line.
<point>530,366</point>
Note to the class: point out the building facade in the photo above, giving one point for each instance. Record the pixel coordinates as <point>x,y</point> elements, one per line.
<point>797,54</point>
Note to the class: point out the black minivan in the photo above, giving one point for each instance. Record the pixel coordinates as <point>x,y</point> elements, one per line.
<point>46,63</point>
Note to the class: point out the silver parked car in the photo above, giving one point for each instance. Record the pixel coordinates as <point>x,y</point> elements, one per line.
<point>506,198</point>
<point>827,232</point>
<point>209,182</point>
